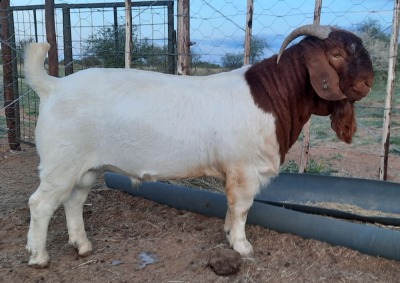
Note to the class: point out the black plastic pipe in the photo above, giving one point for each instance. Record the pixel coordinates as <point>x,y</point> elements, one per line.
<point>303,192</point>
<point>306,188</point>
<point>368,239</point>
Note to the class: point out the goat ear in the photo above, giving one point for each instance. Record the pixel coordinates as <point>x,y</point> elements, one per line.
<point>323,77</point>
<point>343,120</point>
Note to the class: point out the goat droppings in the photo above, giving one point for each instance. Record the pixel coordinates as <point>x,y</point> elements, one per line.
<point>225,261</point>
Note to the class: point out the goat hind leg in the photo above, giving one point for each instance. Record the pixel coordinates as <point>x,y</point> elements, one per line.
<point>42,205</point>
<point>73,207</point>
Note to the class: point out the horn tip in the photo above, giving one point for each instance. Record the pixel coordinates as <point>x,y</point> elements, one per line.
<point>278,58</point>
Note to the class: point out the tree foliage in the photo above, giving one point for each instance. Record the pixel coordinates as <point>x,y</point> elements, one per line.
<point>257,47</point>
<point>150,55</point>
<point>107,48</point>
<point>232,60</point>
<point>235,60</point>
<point>373,28</point>
<point>201,67</point>
<point>377,42</point>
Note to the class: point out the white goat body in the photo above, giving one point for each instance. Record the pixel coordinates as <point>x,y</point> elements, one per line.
<point>150,126</point>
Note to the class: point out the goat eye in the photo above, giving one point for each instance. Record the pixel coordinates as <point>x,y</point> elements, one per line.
<point>336,55</point>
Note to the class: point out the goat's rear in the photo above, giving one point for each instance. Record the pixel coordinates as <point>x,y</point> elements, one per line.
<point>35,74</point>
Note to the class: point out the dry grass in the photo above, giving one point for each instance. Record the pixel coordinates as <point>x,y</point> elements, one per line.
<point>206,183</point>
<point>353,209</point>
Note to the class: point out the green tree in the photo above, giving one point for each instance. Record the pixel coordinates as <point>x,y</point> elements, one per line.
<point>150,55</point>
<point>90,62</point>
<point>373,28</point>
<point>235,60</point>
<point>257,47</point>
<point>195,57</point>
<point>198,62</point>
<point>201,67</point>
<point>232,60</point>
<point>377,42</point>
<point>108,46</point>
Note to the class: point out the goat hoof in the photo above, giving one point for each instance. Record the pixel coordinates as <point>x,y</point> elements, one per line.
<point>36,261</point>
<point>244,248</point>
<point>85,253</point>
<point>38,265</point>
<point>85,249</point>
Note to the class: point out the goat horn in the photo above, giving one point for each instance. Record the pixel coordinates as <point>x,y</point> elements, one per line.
<point>321,32</point>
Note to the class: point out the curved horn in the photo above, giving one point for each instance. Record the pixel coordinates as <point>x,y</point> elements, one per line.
<point>321,32</point>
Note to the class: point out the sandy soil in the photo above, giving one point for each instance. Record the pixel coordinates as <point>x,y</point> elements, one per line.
<point>122,228</point>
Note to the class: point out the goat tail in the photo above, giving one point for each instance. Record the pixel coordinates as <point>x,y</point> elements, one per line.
<point>35,74</point>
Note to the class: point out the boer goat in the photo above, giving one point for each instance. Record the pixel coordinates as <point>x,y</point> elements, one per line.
<point>236,125</point>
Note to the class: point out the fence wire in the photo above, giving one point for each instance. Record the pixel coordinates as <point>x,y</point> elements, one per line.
<point>217,31</point>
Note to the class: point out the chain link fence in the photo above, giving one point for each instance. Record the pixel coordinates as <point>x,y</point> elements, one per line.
<point>93,31</point>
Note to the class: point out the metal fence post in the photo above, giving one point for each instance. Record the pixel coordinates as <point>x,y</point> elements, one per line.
<point>68,58</point>
<point>35,24</point>
<point>171,40</point>
<point>115,11</point>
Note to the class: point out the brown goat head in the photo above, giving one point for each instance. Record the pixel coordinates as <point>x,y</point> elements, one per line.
<point>324,74</point>
<point>340,69</point>
<point>352,63</point>
<point>339,66</point>
<point>350,60</point>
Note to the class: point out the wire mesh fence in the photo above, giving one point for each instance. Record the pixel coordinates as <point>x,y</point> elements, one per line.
<point>82,29</point>
<point>217,32</point>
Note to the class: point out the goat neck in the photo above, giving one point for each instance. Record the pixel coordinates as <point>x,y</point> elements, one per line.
<point>285,90</point>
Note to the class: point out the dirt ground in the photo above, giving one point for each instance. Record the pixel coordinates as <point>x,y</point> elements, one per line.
<point>122,228</point>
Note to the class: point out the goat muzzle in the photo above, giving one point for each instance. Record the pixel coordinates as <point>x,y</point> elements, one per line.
<point>359,90</point>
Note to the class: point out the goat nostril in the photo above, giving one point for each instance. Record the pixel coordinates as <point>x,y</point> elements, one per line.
<point>369,82</point>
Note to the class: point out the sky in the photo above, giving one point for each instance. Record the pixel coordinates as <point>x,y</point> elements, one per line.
<point>217,27</point>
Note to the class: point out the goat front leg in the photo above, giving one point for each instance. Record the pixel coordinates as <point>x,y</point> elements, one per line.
<point>241,187</point>
<point>73,207</point>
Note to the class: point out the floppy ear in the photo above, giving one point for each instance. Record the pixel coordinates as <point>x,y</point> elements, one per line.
<point>323,77</point>
<point>343,120</point>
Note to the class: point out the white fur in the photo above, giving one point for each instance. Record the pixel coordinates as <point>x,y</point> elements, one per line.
<point>150,126</point>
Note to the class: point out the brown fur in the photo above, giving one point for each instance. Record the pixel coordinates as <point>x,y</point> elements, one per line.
<point>344,121</point>
<point>293,90</point>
